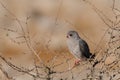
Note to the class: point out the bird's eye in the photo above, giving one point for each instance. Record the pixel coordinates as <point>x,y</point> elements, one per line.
<point>70,34</point>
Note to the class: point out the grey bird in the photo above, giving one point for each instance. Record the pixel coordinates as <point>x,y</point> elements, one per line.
<point>78,47</point>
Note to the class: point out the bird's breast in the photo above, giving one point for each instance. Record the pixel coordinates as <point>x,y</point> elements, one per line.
<point>74,48</point>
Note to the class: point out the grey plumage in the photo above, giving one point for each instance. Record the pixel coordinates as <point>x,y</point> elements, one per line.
<point>77,46</point>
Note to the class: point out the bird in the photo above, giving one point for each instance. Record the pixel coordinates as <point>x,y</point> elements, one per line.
<point>78,47</point>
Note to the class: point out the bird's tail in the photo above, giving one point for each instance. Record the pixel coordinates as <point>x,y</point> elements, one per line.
<point>92,56</point>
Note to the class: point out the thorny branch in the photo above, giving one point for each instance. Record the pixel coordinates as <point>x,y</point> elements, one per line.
<point>24,33</point>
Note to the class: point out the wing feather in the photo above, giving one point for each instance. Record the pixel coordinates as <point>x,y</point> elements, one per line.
<point>84,48</point>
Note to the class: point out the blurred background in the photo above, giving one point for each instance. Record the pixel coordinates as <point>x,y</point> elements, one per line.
<point>32,28</point>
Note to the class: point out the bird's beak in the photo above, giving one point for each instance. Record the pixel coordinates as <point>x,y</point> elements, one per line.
<point>67,36</point>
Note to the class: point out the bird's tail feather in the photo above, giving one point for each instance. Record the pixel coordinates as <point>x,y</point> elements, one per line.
<point>92,56</point>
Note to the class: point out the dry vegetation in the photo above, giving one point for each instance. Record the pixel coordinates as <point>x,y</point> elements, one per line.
<point>33,42</point>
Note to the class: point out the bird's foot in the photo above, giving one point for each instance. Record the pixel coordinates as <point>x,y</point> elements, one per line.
<point>77,62</point>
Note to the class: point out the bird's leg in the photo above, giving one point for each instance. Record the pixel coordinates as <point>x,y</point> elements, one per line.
<point>77,62</point>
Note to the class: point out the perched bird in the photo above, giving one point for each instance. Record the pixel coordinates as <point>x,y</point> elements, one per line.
<point>78,47</point>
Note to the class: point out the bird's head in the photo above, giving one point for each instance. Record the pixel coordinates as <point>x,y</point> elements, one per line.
<point>72,35</point>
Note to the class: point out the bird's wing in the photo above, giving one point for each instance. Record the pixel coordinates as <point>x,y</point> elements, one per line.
<point>84,48</point>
